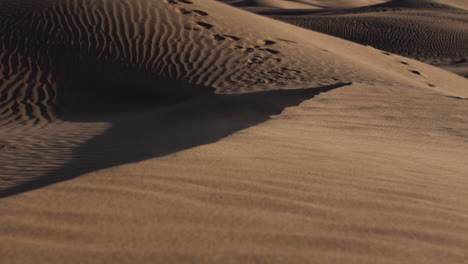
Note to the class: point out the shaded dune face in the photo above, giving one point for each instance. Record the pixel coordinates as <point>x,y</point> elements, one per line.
<point>70,56</point>
<point>61,55</point>
<point>412,4</point>
<point>156,133</point>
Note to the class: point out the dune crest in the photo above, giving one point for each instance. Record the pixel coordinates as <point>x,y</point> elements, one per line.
<point>62,56</point>
<point>70,56</point>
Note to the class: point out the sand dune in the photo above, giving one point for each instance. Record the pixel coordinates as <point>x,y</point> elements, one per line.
<point>172,129</point>
<point>178,131</point>
<point>460,67</point>
<point>273,4</point>
<point>307,4</point>
<point>360,174</point>
<point>55,59</point>
<point>112,52</point>
<point>102,60</point>
<point>454,3</point>
<point>434,32</point>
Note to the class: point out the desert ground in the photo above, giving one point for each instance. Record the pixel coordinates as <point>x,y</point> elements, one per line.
<point>235,131</point>
<point>435,32</point>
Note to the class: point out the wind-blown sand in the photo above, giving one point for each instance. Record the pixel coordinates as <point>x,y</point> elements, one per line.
<point>155,131</point>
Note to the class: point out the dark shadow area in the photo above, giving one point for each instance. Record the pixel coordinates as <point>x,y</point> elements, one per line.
<point>140,136</point>
<point>292,12</point>
<point>87,87</point>
<point>79,69</point>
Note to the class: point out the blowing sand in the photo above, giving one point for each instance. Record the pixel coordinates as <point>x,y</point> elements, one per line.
<point>175,131</point>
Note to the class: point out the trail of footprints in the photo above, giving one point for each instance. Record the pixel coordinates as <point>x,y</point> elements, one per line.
<point>263,45</point>
<point>410,70</point>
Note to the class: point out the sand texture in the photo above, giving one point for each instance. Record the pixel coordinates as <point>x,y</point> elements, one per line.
<point>434,32</point>
<point>176,131</point>
<point>306,4</point>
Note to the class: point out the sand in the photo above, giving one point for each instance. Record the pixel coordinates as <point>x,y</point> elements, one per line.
<point>303,4</point>
<point>434,32</point>
<point>192,131</point>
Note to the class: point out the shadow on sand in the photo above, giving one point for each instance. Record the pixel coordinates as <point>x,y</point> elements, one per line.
<point>202,120</point>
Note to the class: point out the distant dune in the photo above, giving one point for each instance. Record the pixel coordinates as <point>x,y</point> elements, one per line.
<point>434,32</point>
<point>455,3</point>
<point>308,4</point>
<point>191,131</point>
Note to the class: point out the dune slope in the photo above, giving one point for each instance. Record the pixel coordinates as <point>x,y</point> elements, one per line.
<point>360,174</point>
<point>191,131</point>
<point>430,31</point>
<point>102,60</point>
<point>60,55</point>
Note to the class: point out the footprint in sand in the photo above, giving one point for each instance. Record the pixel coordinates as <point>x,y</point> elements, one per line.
<point>217,37</point>
<point>199,12</point>
<point>265,42</point>
<point>231,37</point>
<point>272,51</point>
<point>172,2</point>
<point>404,63</point>
<point>416,72</point>
<point>245,50</point>
<point>185,1</point>
<point>204,25</point>
<point>183,11</point>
